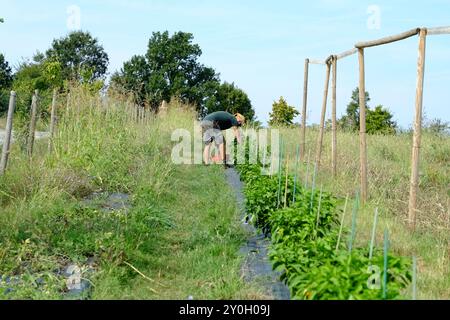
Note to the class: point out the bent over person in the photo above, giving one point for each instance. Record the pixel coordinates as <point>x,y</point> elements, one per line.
<point>213,125</point>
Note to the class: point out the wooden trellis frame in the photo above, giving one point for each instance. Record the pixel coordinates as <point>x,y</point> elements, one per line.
<point>359,47</point>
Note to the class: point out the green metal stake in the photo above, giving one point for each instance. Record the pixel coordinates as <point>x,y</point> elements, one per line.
<point>353,234</point>
<point>296,173</point>
<point>372,241</point>
<point>414,279</point>
<point>386,248</point>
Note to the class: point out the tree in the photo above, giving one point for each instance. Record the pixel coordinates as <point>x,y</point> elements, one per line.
<point>169,69</point>
<point>6,79</point>
<point>379,121</point>
<point>282,114</point>
<point>351,120</point>
<point>230,98</point>
<point>437,126</point>
<point>81,57</point>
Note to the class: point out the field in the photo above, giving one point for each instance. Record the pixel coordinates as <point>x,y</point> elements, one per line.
<point>176,238</point>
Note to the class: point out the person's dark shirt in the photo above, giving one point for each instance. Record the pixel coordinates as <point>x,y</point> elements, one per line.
<point>224,120</point>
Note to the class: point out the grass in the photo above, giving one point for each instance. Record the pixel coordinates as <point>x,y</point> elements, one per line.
<point>389,176</point>
<point>181,238</point>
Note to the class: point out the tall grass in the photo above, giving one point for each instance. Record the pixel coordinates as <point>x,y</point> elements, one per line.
<point>177,212</point>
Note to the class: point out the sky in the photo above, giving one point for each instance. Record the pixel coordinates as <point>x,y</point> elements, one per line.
<point>261,45</point>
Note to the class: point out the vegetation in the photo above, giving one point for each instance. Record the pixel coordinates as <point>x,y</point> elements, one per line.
<point>6,79</point>
<point>176,232</point>
<point>378,121</point>
<point>305,232</point>
<point>282,113</point>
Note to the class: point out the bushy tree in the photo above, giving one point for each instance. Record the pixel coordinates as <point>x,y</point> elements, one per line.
<point>81,56</point>
<point>169,69</point>
<point>6,79</point>
<point>378,121</point>
<point>228,97</point>
<point>282,114</point>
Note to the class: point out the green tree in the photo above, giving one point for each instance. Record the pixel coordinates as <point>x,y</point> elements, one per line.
<point>169,69</point>
<point>230,98</point>
<point>81,56</point>
<point>282,114</point>
<point>351,120</point>
<point>6,79</point>
<point>379,121</point>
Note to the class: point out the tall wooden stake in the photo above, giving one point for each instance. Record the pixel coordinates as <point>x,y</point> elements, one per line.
<point>417,132</point>
<point>33,120</point>
<point>305,102</point>
<point>9,125</point>
<point>52,122</point>
<point>334,120</point>
<point>322,119</point>
<point>362,123</point>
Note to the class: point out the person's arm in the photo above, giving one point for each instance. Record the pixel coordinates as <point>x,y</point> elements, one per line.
<point>237,134</point>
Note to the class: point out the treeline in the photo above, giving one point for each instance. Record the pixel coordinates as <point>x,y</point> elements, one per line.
<point>170,69</point>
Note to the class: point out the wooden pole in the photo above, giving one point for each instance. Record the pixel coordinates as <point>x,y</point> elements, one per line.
<point>9,125</point>
<point>397,37</point>
<point>334,120</point>
<point>417,132</point>
<point>33,120</point>
<point>322,119</point>
<point>52,122</point>
<point>362,124</point>
<point>305,102</point>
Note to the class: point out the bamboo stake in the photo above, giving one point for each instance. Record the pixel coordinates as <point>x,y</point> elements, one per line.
<point>362,131</point>
<point>417,132</point>
<point>287,180</point>
<point>280,174</point>
<point>307,169</point>
<point>322,119</point>
<point>305,102</point>
<point>414,279</point>
<point>296,173</point>
<point>52,122</point>
<point>386,249</point>
<point>9,126</point>
<point>372,241</point>
<point>33,120</point>
<point>319,208</point>
<point>334,120</point>
<point>342,224</point>
<point>353,234</point>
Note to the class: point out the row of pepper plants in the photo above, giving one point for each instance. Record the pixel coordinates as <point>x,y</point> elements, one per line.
<point>314,253</point>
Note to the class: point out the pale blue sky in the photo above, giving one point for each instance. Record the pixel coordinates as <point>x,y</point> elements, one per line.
<point>261,45</point>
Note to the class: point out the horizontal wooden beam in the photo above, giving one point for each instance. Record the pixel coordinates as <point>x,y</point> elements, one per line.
<point>346,53</point>
<point>440,30</point>
<point>397,37</point>
<point>313,61</point>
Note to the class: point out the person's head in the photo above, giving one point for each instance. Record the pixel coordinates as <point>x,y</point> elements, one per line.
<point>240,118</point>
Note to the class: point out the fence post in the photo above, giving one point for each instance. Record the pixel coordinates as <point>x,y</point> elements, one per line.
<point>305,102</point>
<point>334,120</point>
<point>417,131</point>
<point>33,119</point>
<point>52,121</point>
<point>9,125</point>
<point>322,119</point>
<point>362,124</point>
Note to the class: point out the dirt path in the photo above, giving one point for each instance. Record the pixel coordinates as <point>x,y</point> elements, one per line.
<point>257,266</point>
